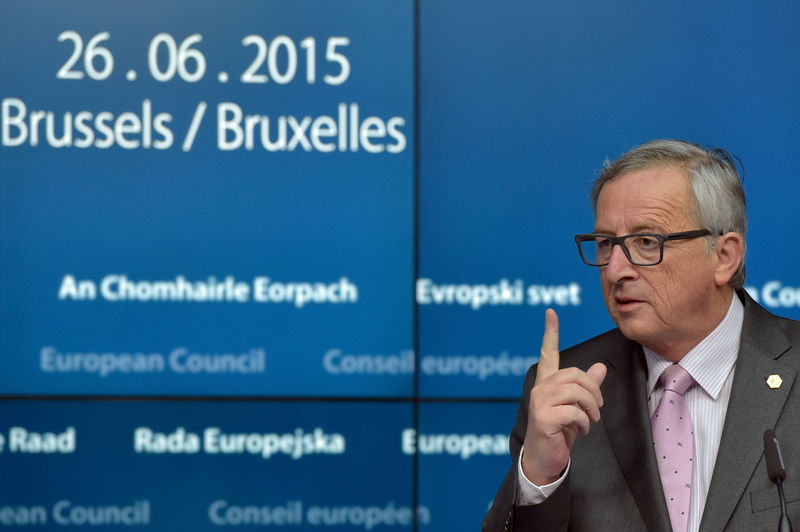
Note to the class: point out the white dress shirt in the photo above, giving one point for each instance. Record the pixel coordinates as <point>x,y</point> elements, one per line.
<point>711,363</point>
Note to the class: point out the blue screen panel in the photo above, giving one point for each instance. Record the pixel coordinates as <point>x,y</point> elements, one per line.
<point>199,465</point>
<point>206,199</point>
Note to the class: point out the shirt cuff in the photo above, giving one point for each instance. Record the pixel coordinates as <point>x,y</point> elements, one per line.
<point>529,493</point>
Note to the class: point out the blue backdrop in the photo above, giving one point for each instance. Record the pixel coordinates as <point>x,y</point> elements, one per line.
<point>325,234</point>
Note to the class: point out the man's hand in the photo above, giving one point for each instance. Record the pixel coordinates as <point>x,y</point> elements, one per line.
<point>563,402</point>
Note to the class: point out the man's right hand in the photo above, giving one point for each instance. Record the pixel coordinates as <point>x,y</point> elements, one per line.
<point>563,402</point>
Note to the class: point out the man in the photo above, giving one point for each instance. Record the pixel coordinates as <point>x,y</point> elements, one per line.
<point>594,446</point>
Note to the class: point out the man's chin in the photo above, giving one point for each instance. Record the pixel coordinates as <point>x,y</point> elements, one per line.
<point>633,325</point>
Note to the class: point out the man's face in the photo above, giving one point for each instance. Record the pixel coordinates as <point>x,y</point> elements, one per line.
<point>667,305</point>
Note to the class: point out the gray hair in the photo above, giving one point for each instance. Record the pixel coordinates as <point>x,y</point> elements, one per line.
<point>719,203</point>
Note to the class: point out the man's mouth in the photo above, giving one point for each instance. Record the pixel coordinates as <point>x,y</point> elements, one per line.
<point>626,304</point>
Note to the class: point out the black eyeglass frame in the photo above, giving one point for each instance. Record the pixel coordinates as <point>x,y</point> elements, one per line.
<point>615,240</point>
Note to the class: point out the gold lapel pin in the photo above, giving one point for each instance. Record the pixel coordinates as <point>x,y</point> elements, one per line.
<point>774,381</point>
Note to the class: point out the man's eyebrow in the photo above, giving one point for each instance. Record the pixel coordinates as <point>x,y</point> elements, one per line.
<point>646,228</point>
<point>640,228</point>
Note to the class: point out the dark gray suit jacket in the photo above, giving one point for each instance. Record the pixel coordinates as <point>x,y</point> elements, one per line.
<point>613,483</point>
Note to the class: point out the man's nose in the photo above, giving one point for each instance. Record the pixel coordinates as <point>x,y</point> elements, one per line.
<point>619,267</point>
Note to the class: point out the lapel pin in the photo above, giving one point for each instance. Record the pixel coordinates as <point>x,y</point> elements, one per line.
<point>774,381</point>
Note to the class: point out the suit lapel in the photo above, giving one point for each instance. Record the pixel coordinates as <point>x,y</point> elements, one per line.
<point>628,427</point>
<point>753,408</point>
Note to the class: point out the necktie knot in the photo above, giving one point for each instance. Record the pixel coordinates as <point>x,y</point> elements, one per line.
<point>676,379</point>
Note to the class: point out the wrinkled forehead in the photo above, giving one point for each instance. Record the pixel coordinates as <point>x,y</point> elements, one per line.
<point>659,196</point>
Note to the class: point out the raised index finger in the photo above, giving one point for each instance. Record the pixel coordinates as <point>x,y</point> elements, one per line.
<point>548,356</point>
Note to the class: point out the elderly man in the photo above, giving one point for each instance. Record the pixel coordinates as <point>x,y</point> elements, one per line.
<point>658,424</point>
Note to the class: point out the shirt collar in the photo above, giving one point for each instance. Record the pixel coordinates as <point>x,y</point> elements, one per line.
<point>710,361</point>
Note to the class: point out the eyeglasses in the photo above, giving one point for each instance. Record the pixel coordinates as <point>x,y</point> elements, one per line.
<point>642,249</point>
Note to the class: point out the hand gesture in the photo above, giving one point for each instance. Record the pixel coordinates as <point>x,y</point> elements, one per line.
<point>562,404</point>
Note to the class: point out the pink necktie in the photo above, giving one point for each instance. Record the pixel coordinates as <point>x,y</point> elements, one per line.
<point>673,440</point>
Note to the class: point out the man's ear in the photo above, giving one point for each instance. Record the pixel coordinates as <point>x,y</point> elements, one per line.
<point>730,254</point>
